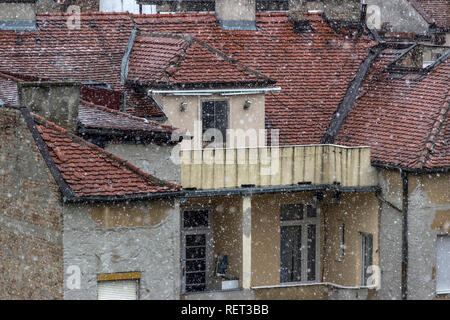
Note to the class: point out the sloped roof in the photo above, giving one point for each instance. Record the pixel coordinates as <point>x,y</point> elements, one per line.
<point>170,60</point>
<point>98,117</point>
<point>403,118</point>
<point>438,10</point>
<point>313,68</point>
<point>91,172</point>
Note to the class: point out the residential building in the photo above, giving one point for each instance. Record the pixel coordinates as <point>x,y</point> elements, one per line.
<point>330,180</point>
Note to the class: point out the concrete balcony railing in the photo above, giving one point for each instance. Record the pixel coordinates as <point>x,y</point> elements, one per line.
<point>277,166</point>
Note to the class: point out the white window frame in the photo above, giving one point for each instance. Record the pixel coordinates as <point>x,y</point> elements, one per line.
<point>441,238</point>
<point>304,224</point>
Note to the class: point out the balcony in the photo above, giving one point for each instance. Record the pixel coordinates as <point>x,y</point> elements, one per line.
<point>210,169</point>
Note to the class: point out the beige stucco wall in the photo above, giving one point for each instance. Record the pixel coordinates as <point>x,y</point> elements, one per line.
<point>250,120</point>
<point>359,213</point>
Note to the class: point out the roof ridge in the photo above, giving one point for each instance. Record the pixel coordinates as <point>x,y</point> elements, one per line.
<point>431,140</point>
<point>124,114</point>
<point>41,120</point>
<point>231,60</point>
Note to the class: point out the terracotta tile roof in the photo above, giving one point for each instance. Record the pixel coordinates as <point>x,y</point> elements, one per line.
<point>90,171</point>
<point>137,103</point>
<point>438,10</point>
<point>92,53</point>
<point>402,116</point>
<point>313,69</point>
<point>140,105</point>
<point>98,117</point>
<point>168,60</point>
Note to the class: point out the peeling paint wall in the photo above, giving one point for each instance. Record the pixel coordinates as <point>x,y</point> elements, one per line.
<point>360,214</point>
<point>136,237</point>
<point>428,217</point>
<point>242,121</point>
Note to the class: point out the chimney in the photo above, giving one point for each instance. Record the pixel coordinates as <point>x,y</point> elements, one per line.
<point>18,15</point>
<point>57,102</point>
<point>335,10</point>
<point>236,14</point>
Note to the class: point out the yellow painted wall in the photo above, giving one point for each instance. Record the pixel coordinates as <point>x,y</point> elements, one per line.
<point>266,235</point>
<point>135,214</point>
<point>360,213</point>
<point>227,229</point>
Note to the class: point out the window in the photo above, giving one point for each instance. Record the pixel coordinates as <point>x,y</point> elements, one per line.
<point>215,121</point>
<point>443,264</point>
<point>119,286</point>
<point>196,249</point>
<point>299,247</point>
<point>367,256</point>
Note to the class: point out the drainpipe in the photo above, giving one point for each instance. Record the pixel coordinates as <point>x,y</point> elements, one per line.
<point>404,177</point>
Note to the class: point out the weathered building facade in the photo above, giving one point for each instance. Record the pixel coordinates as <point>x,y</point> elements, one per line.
<point>338,190</point>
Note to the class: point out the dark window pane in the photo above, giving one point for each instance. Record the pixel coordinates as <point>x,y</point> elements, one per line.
<point>195,240</point>
<point>367,247</point>
<point>214,120</point>
<point>311,211</point>
<point>221,118</point>
<point>195,288</point>
<point>195,219</point>
<point>290,266</point>
<point>208,115</point>
<point>311,265</point>
<point>196,265</point>
<point>195,278</point>
<point>291,212</point>
<point>195,253</point>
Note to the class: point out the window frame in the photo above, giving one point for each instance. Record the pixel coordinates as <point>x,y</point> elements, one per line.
<point>304,223</point>
<point>364,266</point>
<point>440,236</point>
<point>228,121</point>
<point>208,231</point>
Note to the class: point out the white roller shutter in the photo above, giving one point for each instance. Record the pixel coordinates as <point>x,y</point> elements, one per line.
<point>118,290</point>
<point>443,265</point>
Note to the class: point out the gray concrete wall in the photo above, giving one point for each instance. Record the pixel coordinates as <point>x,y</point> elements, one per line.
<point>390,237</point>
<point>344,10</point>
<point>424,228</point>
<point>153,159</point>
<point>57,102</point>
<point>153,250</point>
<point>399,14</point>
<point>17,11</point>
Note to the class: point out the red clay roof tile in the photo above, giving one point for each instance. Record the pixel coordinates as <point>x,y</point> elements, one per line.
<point>93,172</point>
